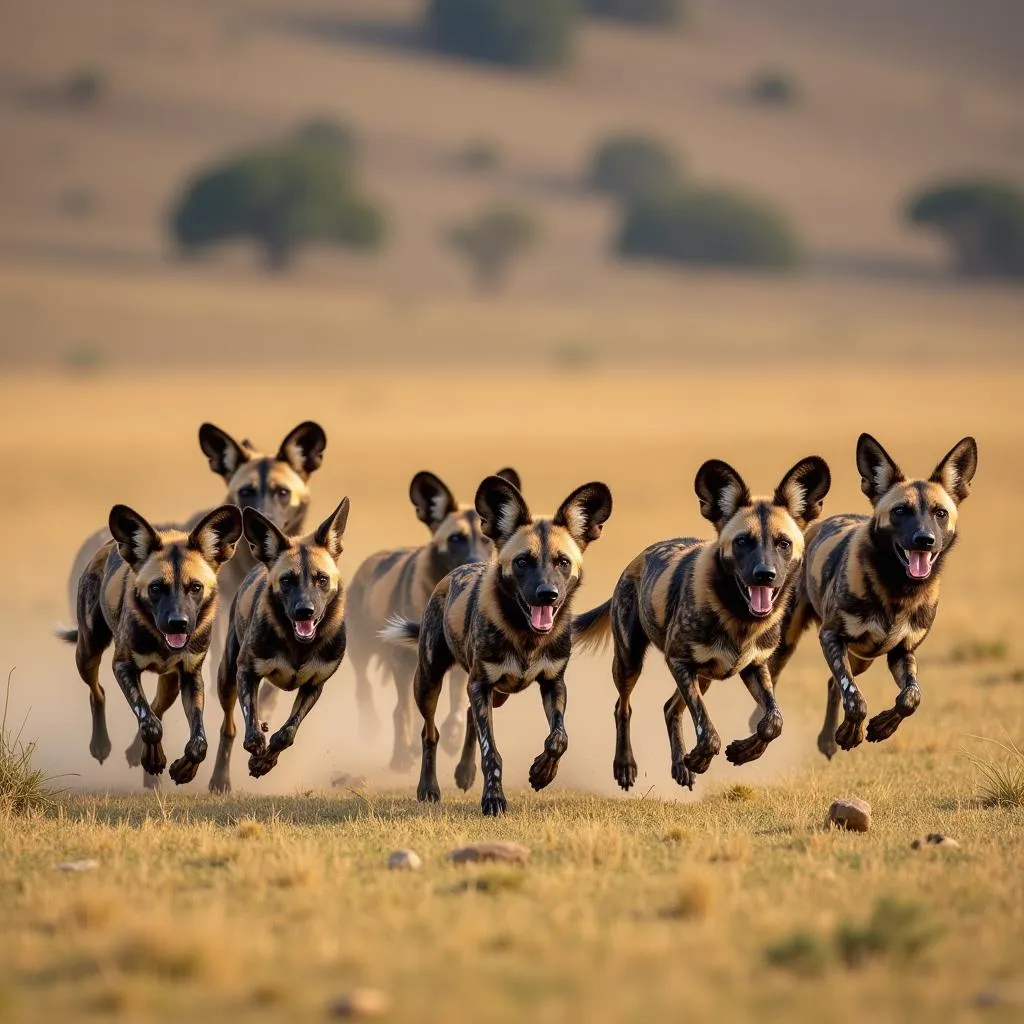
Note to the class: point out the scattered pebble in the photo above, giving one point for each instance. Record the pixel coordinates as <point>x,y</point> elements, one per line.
<point>509,853</point>
<point>404,860</point>
<point>935,839</point>
<point>78,865</point>
<point>343,780</point>
<point>361,1002</point>
<point>851,813</point>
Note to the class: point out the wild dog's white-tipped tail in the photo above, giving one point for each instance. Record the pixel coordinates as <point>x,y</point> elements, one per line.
<point>402,632</point>
<point>592,630</point>
<point>69,636</point>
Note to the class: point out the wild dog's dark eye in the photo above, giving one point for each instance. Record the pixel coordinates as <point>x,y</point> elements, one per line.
<point>287,581</point>
<point>283,493</point>
<point>522,562</point>
<point>248,491</point>
<point>457,539</point>
<point>156,588</point>
<point>563,563</point>
<point>941,513</point>
<point>744,540</point>
<point>901,510</point>
<point>783,543</point>
<point>195,587</point>
<point>321,579</point>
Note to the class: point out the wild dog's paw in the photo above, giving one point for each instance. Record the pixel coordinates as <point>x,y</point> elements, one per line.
<point>153,759</point>
<point>749,749</point>
<point>493,803</point>
<point>151,730</point>
<point>683,775</point>
<point>260,764</point>
<point>908,700</point>
<point>465,775</point>
<point>850,734</point>
<point>699,759</point>
<point>543,770</point>
<point>883,725</point>
<point>428,792</point>
<point>255,744</point>
<point>827,744</point>
<point>100,747</point>
<point>453,729</point>
<point>220,783</point>
<point>624,770</point>
<point>183,770</point>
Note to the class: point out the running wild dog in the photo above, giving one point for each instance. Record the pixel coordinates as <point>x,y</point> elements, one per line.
<point>399,583</point>
<point>713,608</point>
<point>871,583</point>
<point>154,593</point>
<point>288,628</point>
<point>508,623</point>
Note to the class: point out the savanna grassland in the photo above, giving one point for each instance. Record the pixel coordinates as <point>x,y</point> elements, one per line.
<point>730,903</point>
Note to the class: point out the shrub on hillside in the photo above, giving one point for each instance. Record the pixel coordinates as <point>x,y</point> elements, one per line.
<point>644,12</point>
<point>707,226</point>
<point>525,33</point>
<point>333,135</point>
<point>282,197</point>
<point>630,166</point>
<point>983,222</point>
<point>491,240</point>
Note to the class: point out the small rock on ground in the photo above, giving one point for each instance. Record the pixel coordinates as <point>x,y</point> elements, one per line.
<point>361,1002</point>
<point>509,853</point>
<point>404,860</point>
<point>342,780</point>
<point>935,839</point>
<point>851,813</point>
<point>78,865</point>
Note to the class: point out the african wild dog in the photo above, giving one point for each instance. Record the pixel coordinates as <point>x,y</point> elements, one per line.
<point>399,583</point>
<point>872,585</point>
<point>154,593</point>
<point>288,628</point>
<point>508,623</point>
<point>277,486</point>
<point>713,608</point>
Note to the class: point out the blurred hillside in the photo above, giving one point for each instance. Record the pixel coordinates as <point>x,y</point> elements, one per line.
<point>891,96</point>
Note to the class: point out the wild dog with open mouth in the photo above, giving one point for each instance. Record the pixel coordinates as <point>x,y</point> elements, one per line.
<point>872,585</point>
<point>713,608</point>
<point>398,583</point>
<point>288,628</point>
<point>508,623</point>
<point>154,593</point>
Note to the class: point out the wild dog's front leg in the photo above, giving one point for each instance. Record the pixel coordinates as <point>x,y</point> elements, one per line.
<point>193,699</point>
<point>150,728</point>
<point>851,732</point>
<point>481,695</point>
<point>903,666</point>
<point>453,728</point>
<point>758,681</point>
<point>545,765</point>
<point>248,688</point>
<point>465,770</point>
<point>708,744</point>
<point>305,698</point>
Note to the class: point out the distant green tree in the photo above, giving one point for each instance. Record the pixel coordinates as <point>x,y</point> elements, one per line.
<point>644,12</point>
<point>335,135</point>
<point>707,226</point>
<point>525,33</point>
<point>629,166</point>
<point>983,222</point>
<point>491,239</point>
<point>282,197</point>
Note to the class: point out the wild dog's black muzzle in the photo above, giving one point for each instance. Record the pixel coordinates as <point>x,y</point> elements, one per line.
<point>763,575</point>
<point>545,595</point>
<point>303,612</point>
<point>922,540</point>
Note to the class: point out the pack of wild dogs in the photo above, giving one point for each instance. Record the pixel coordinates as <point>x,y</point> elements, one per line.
<point>488,602</point>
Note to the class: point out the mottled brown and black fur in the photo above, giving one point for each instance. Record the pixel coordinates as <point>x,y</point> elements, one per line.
<point>507,623</point>
<point>287,628</point>
<point>398,584</point>
<point>275,485</point>
<point>871,583</point>
<point>154,594</point>
<point>713,608</point>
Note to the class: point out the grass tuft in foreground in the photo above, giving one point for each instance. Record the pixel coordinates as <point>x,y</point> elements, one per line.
<point>23,787</point>
<point>1002,781</point>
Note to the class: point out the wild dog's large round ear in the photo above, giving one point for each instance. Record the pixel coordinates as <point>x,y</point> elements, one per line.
<point>585,512</point>
<point>266,541</point>
<point>331,531</point>
<point>303,448</point>
<point>432,499</point>
<point>878,470</point>
<point>721,491</point>
<point>502,509</point>
<point>136,539</point>
<point>803,489</point>
<point>509,474</point>
<point>957,468</point>
<point>216,534</point>
<point>223,451</point>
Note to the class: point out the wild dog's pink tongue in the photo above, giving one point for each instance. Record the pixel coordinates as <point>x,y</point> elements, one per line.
<point>761,599</point>
<point>176,640</point>
<point>542,616</point>
<point>920,564</point>
<point>305,630</point>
